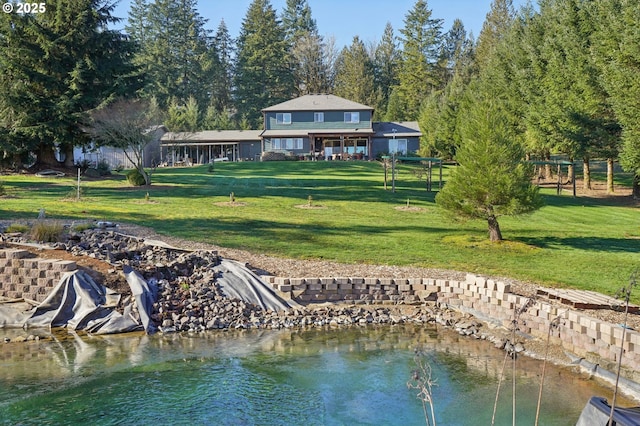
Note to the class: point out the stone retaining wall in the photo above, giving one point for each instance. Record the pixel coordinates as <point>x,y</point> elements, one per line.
<point>596,341</point>
<point>23,275</point>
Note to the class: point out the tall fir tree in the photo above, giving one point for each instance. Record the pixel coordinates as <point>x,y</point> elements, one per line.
<point>57,66</point>
<point>418,72</point>
<point>263,74</point>
<point>495,27</point>
<point>222,52</point>
<point>617,51</point>
<point>309,57</point>
<point>173,49</point>
<point>386,58</point>
<point>354,74</point>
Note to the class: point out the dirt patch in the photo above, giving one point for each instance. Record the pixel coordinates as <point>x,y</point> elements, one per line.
<point>409,209</point>
<point>230,204</point>
<point>311,207</point>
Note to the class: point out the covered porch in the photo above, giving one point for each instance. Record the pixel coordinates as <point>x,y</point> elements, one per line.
<point>341,146</point>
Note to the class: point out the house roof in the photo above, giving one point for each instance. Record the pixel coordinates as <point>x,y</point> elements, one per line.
<point>212,136</point>
<point>307,132</point>
<point>318,103</point>
<point>402,129</point>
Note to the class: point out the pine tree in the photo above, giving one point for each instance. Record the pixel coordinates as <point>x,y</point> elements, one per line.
<point>297,21</point>
<point>263,74</point>
<point>495,27</point>
<point>386,58</point>
<point>617,49</point>
<point>418,73</point>
<point>57,66</point>
<point>222,50</point>
<point>492,180</point>
<point>173,49</point>
<point>354,74</point>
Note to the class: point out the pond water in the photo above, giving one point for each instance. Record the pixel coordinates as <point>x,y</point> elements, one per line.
<point>348,376</point>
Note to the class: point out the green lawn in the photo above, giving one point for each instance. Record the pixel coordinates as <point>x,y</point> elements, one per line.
<point>584,242</point>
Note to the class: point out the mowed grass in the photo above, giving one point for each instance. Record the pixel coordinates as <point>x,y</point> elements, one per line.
<point>587,243</point>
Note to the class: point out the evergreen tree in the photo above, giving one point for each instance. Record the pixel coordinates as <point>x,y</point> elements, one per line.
<point>492,180</point>
<point>308,51</point>
<point>495,27</point>
<point>617,49</point>
<point>221,51</point>
<point>57,66</point>
<point>173,49</point>
<point>354,74</point>
<point>578,108</point>
<point>297,21</point>
<point>263,75</point>
<point>311,65</point>
<point>386,58</point>
<point>418,73</point>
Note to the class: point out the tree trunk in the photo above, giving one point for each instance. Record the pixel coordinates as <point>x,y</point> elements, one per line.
<point>547,167</point>
<point>636,187</point>
<point>69,161</point>
<point>45,156</point>
<point>494,228</point>
<point>610,188</point>
<point>586,174</point>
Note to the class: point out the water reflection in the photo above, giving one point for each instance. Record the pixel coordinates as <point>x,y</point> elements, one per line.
<point>348,376</point>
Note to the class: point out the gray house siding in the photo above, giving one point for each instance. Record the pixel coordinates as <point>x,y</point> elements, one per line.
<point>304,120</point>
<point>380,146</point>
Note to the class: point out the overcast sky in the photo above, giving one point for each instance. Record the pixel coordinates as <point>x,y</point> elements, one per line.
<point>345,19</point>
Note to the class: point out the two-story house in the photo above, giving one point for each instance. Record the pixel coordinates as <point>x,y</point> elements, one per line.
<point>320,126</point>
<point>314,127</point>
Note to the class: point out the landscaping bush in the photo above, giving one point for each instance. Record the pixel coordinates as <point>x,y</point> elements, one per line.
<point>17,228</point>
<point>3,190</point>
<point>135,178</point>
<point>47,232</point>
<point>273,156</point>
<point>103,168</point>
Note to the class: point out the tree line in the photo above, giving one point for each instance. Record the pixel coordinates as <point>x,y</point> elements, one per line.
<point>563,75</point>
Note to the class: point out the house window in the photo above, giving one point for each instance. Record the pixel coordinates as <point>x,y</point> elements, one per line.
<point>351,117</point>
<point>398,146</point>
<point>283,118</point>
<point>287,143</point>
<point>318,117</point>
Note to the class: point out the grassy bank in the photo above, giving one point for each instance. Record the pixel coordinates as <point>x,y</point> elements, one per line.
<point>588,243</point>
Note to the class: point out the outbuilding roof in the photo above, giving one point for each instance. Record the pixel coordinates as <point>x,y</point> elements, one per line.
<point>212,136</point>
<point>318,103</point>
<point>399,129</point>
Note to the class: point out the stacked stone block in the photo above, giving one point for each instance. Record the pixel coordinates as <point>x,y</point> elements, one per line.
<point>578,333</point>
<point>24,276</point>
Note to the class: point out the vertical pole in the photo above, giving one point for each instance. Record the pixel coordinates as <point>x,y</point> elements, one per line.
<point>440,182</point>
<point>559,188</point>
<point>78,195</point>
<point>429,178</point>
<point>385,165</point>
<point>393,172</point>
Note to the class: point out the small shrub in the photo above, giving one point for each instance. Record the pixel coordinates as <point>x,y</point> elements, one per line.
<point>47,232</point>
<point>210,169</point>
<point>3,190</point>
<point>17,228</point>
<point>147,197</point>
<point>91,172</point>
<point>118,168</point>
<point>83,165</point>
<point>103,168</point>
<point>273,156</point>
<point>135,178</point>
